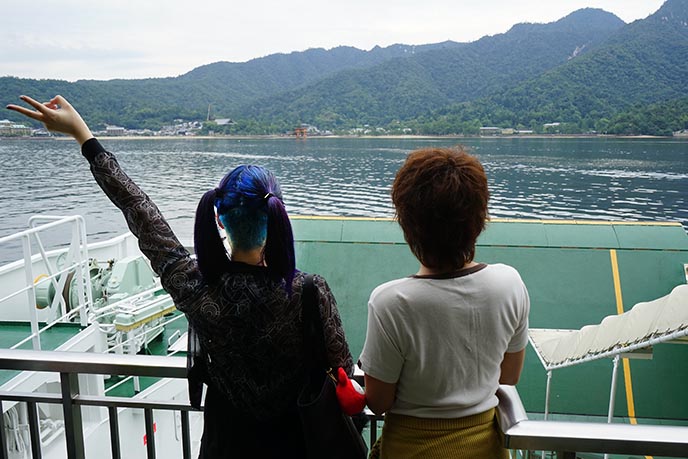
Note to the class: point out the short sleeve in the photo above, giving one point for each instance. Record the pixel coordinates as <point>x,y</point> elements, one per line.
<point>520,338</point>
<point>381,357</point>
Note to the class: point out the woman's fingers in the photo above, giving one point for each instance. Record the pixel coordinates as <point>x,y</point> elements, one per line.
<point>61,101</point>
<point>26,112</point>
<point>35,104</point>
<point>42,110</point>
<point>57,115</point>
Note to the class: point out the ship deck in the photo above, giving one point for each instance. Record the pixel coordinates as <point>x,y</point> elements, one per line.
<point>577,272</point>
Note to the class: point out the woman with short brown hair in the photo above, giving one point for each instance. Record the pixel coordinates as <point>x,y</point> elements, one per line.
<point>441,341</point>
<point>440,197</point>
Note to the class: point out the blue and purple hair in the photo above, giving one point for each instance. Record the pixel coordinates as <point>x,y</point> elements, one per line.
<point>249,204</point>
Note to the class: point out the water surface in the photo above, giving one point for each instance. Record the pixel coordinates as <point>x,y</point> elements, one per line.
<point>601,179</point>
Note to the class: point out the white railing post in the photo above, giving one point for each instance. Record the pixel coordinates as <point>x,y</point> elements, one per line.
<point>547,393</point>
<point>612,394</point>
<point>84,282</point>
<point>31,292</point>
<point>87,277</point>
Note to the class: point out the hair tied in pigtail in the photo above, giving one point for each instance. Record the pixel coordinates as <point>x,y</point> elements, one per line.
<point>218,193</point>
<point>210,250</point>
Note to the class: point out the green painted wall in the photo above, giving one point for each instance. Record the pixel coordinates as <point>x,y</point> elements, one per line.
<point>568,271</point>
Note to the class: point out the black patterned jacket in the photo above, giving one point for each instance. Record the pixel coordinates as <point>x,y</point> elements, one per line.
<point>248,326</point>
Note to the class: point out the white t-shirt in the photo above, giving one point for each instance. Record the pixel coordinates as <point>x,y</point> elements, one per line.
<point>442,340</point>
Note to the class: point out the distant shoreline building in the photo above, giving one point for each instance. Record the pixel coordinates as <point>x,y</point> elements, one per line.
<point>11,129</point>
<point>490,130</point>
<point>114,131</point>
<point>494,131</point>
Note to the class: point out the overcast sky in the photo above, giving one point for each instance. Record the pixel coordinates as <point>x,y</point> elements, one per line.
<point>106,39</point>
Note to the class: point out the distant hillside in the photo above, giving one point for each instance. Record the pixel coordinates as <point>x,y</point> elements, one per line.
<point>230,85</point>
<point>588,71</point>
<point>150,102</point>
<point>643,63</point>
<point>401,89</point>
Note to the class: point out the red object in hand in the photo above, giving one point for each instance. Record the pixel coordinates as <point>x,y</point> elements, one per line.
<point>351,397</point>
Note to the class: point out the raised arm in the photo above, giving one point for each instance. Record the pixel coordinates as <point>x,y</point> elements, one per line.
<point>169,259</point>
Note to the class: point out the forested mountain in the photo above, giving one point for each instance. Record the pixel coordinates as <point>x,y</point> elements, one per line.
<point>224,85</point>
<point>643,63</point>
<point>588,71</point>
<point>404,88</point>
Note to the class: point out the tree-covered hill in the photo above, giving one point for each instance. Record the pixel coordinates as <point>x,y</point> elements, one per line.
<point>643,63</point>
<point>587,72</point>
<point>663,118</point>
<point>223,85</point>
<point>401,89</point>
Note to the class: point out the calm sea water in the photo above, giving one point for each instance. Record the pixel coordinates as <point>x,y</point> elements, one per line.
<point>609,179</point>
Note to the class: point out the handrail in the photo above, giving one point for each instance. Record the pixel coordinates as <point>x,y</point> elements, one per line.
<point>72,364</point>
<point>519,433</point>
<point>77,259</point>
<point>54,222</point>
<point>569,438</point>
<point>93,363</point>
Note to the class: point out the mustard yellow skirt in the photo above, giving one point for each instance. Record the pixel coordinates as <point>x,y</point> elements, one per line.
<point>471,437</point>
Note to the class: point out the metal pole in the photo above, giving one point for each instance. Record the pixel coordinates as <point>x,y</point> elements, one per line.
<point>186,435</point>
<point>549,383</point>
<point>373,432</point>
<point>612,391</point>
<point>31,292</point>
<point>86,275</point>
<point>34,430</point>
<point>3,437</point>
<point>547,391</point>
<point>114,432</point>
<point>612,394</point>
<point>79,273</point>
<point>74,429</point>
<point>150,433</point>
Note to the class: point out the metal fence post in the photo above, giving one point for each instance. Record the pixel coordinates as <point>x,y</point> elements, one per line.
<point>114,432</point>
<point>186,435</point>
<point>150,432</point>
<point>3,437</point>
<point>34,430</point>
<point>74,429</point>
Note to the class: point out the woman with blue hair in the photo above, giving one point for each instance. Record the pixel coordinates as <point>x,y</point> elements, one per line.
<point>244,309</point>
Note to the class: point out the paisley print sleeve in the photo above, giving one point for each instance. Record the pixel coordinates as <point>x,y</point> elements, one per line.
<point>337,348</point>
<point>169,259</point>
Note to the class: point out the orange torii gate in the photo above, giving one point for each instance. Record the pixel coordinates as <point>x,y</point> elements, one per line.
<point>301,132</point>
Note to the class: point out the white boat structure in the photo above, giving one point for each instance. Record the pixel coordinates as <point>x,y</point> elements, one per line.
<point>108,302</point>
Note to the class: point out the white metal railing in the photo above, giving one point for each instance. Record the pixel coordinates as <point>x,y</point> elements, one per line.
<point>569,438</point>
<point>75,259</point>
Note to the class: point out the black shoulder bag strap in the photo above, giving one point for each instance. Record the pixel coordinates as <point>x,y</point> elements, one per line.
<point>196,369</point>
<point>328,431</point>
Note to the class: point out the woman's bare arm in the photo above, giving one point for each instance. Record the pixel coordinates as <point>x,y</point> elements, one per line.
<point>511,366</point>
<point>379,394</point>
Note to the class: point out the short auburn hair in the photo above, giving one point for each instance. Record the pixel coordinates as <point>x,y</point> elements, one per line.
<point>440,196</point>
